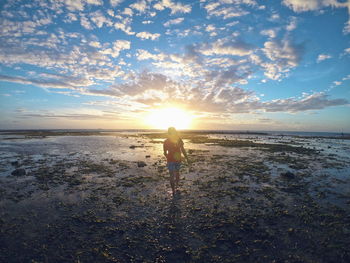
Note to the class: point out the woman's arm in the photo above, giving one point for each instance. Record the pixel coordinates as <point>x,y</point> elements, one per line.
<point>165,152</point>
<point>184,152</point>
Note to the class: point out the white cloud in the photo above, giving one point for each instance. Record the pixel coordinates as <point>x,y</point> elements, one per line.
<point>283,52</point>
<point>347,50</point>
<point>346,78</point>
<point>233,23</point>
<point>125,27</point>
<point>174,7</point>
<point>95,44</point>
<point>128,12</point>
<point>140,6</point>
<point>60,83</point>
<point>74,114</point>
<point>223,47</point>
<point>274,17</point>
<point>346,29</point>
<point>228,12</point>
<point>284,56</point>
<point>322,57</point>
<point>228,8</point>
<point>114,3</point>
<point>117,47</point>
<point>84,21</point>
<point>77,5</point>
<point>292,24</point>
<point>94,2</point>
<point>313,5</point>
<point>315,101</point>
<point>301,5</point>
<point>110,12</point>
<point>99,19</point>
<point>210,28</point>
<point>70,18</point>
<point>269,32</point>
<point>144,55</point>
<point>146,35</point>
<point>174,21</point>
<point>154,89</point>
<point>212,6</point>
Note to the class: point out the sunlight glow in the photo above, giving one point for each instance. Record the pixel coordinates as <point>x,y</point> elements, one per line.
<point>167,117</point>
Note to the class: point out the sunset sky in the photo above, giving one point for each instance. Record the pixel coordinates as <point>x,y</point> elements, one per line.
<point>228,64</point>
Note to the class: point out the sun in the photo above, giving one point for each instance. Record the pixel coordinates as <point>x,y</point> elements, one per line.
<point>169,117</point>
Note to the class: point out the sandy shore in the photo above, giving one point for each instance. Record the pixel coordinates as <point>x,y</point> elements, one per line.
<point>105,198</point>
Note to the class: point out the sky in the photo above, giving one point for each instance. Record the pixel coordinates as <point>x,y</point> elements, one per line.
<point>228,64</point>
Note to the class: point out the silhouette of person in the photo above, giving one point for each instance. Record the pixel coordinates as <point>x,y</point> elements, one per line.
<point>173,146</point>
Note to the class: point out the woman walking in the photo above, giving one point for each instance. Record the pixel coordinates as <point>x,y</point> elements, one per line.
<point>173,146</point>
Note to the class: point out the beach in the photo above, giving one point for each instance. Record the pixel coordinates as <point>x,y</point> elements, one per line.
<point>104,196</point>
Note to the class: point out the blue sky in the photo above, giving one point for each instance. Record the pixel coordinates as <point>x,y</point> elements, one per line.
<point>231,64</point>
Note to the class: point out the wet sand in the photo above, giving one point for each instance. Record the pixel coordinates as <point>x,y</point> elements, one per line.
<point>104,197</point>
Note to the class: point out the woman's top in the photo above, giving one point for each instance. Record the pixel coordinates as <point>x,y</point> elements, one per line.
<point>173,150</point>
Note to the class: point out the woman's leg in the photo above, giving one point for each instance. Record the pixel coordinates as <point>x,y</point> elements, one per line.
<point>172,181</point>
<point>177,178</point>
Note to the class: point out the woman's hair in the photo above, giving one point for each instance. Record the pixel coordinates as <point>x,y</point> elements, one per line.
<point>172,131</point>
<point>173,135</point>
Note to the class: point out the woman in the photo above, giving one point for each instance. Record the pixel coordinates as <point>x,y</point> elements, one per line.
<point>173,147</point>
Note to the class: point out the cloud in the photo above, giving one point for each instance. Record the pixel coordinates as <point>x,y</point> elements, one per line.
<point>346,29</point>
<point>210,28</point>
<point>74,5</point>
<point>84,21</point>
<point>114,3</point>
<point>70,18</point>
<point>293,22</point>
<point>140,6</point>
<point>274,17</point>
<point>227,9</point>
<point>315,101</point>
<point>269,32</point>
<point>95,2</point>
<point>323,57</point>
<point>67,114</point>
<point>224,47</point>
<point>60,83</point>
<point>174,21</point>
<point>95,44</point>
<point>144,55</point>
<point>99,19</point>
<point>77,5</point>
<point>141,83</point>
<point>174,7</point>
<point>228,12</point>
<point>117,47</point>
<point>313,5</point>
<point>124,26</point>
<point>284,56</point>
<point>128,12</point>
<point>146,35</point>
<point>309,5</point>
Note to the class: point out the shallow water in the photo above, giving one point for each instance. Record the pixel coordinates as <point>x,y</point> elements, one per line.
<point>232,199</point>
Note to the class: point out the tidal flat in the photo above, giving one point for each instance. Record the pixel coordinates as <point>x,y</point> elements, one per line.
<point>105,197</point>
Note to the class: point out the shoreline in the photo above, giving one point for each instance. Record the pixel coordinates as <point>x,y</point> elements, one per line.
<point>45,133</point>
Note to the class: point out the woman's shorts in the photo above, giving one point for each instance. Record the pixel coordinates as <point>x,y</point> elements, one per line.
<point>173,166</point>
